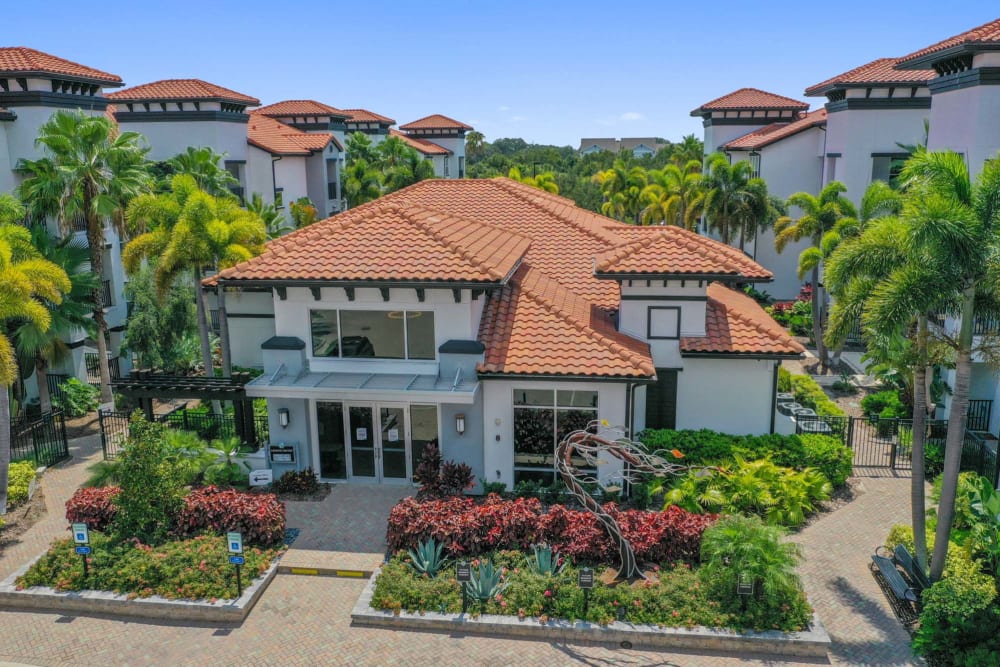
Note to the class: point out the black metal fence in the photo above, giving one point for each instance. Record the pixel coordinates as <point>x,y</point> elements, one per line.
<point>39,439</point>
<point>92,361</point>
<point>980,456</point>
<point>979,415</point>
<point>208,426</point>
<point>54,381</point>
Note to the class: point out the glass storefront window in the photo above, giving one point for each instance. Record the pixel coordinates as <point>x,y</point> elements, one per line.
<point>542,418</point>
<point>374,334</point>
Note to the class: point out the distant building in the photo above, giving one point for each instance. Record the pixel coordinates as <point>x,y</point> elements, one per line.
<point>640,146</point>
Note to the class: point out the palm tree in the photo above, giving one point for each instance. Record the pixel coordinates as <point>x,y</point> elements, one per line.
<point>820,218</point>
<point>362,182</point>
<point>690,148</point>
<point>38,348</point>
<point>732,200</point>
<point>188,230</point>
<point>26,279</point>
<point>411,168</point>
<point>622,188</point>
<point>543,181</point>
<point>474,143</point>
<point>303,212</point>
<point>670,194</point>
<point>275,223</point>
<point>90,171</point>
<point>203,165</point>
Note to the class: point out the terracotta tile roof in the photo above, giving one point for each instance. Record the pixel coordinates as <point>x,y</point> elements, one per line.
<point>750,98</point>
<point>279,139</point>
<point>181,89</point>
<point>435,122</point>
<point>20,60</point>
<point>109,113</point>
<point>669,250</point>
<point>366,116</point>
<point>987,34</point>
<point>300,108</point>
<point>534,326</point>
<point>736,324</point>
<point>413,244</point>
<point>882,71</point>
<point>421,145</point>
<point>778,131</point>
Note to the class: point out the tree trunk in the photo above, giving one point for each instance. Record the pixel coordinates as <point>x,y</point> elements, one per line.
<point>41,376</point>
<point>203,331</point>
<point>227,361</point>
<point>743,234</point>
<point>918,502</point>
<point>95,239</point>
<point>956,434</point>
<point>817,313</point>
<point>4,446</point>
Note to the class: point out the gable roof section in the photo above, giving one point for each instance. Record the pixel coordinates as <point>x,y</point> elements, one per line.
<point>300,108</point>
<point>421,145</point>
<point>735,324</point>
<point>881,72</point>
<point>984,37</point>
<point>366,116</point>
<point>384,241</point>
<point>279,139</point>
<point>668,252</point>
<point>181,89</point>
<point>750,98</point>
<point>435,122</point>
<point>22,61</point>
<point>534,326</point>
<point>775,132</point>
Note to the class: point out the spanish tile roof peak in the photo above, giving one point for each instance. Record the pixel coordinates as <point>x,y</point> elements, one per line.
<point>366,116</point>
<point>750,98</point>
<point>181,89</point>
<point>670,250</point>
<point>421,145</point>
<point>435,122</point>
<point>775,132</point>
<point>300,108</point>
<point>879,71</point>
<point>987,35</point>
<point>25,60</point>
<point>736,324</point>
<point>278,138</point>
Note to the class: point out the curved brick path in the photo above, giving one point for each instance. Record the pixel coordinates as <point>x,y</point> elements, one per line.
<point>305,620</point>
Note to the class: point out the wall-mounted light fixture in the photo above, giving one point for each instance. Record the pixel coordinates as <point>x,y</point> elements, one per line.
<point>283,417</point>
<point>460,424</point>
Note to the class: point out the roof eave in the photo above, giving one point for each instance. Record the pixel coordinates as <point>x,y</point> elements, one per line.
<point>722,277</point>
<point>264,148</point>
<point>499,375</point>
<point>373,283</point>
<point>742,355</point>
<point>106,83</point>
<point>927,60</point>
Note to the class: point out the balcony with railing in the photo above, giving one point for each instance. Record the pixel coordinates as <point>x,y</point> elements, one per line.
<point>978,415</point>
<point>105,294</point>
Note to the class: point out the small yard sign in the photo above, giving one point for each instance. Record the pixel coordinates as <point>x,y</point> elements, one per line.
<point>81,534</point>
<point>235,542</point>
<point>261,477</point>
<point>585,578</point>
<point>463,572</point>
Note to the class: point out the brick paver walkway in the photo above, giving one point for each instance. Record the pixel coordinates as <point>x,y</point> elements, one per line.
<point>306,620</point>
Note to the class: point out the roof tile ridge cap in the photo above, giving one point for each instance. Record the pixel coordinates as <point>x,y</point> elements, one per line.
<point>614,346</point>
<point>623,250</point>
<point>443,240</point>
<point>516,192</point>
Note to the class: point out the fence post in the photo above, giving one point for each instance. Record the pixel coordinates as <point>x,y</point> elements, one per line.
<point>104,437</point>
<point>895,445</point>
<point>850,433</point>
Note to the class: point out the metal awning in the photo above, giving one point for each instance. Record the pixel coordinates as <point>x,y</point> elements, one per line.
<point>364,386</point>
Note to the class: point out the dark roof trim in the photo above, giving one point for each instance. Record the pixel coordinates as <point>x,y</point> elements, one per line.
<point>927,60</point>
<point>176,116</point>
<point>38,98</point>
<point>401,284</point>
<point>283,343</point>
<point>462,347</point>
<point>979,76</point>
<point>741,355</point>
<point>43,74</point>
<point>880,103</point>
<point>734,277</point>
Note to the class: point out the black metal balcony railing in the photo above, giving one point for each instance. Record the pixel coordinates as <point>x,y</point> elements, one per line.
<point>331,191</point>
<point>79,224</point>
<point>979,414</point>
<point>214,317</point>
<point>106,300</point>
<point>984,325</point>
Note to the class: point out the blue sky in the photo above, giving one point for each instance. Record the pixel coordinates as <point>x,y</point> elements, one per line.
<point>549,72</point>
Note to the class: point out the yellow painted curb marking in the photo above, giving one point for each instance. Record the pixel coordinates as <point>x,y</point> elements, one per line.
<point>349,573</point>
<point>304,570</point>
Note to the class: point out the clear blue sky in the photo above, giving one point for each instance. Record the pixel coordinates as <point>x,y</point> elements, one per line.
<point>549,72</point>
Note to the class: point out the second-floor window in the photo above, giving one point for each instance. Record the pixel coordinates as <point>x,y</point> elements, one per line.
<point>446,166</point>
<point>373,334</point>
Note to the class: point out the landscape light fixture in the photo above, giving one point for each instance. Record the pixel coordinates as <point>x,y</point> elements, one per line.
<point>283,417</point>
<point>460,424</point>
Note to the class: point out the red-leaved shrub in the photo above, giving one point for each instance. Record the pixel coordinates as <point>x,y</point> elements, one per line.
<point>468,528</point>
<point>93,506</point>
<point>259,516</point>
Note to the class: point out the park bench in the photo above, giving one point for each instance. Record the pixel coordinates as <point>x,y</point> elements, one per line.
<point>903,593</point>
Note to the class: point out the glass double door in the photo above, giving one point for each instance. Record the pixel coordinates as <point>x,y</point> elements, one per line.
<point>377,435</point>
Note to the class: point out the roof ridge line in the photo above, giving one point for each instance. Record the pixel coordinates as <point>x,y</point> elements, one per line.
<point>756,324</point>
<point>503,181</point>
<point>437,236</point>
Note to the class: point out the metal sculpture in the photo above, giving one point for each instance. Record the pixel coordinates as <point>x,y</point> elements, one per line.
<point>589,444</point>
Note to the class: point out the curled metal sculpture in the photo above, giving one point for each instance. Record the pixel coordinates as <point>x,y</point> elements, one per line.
<point>589,444</point>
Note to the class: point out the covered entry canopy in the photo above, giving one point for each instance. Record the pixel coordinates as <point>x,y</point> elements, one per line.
<point>359,386</point>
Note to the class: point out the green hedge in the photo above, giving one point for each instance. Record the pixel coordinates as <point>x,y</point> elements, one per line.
<point>823,452</point>
<point>19,476</point>
<point>810,395</point>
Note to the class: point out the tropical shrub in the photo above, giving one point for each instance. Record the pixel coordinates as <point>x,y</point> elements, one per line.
<point>94,506</point>
<point>784,380</point>
<point>19,478</point>
<point>186,569</point>
<point>796,316</point>
<point>884,404</point>
<point>298,482</point>
<point>428,558</point>
<point>76,398</point>
<point>810,395</point>
<point>259,516</point>
<point>781,496</point>
<point>226,472</point>
<point>827,455</point>
<point>440,480</point>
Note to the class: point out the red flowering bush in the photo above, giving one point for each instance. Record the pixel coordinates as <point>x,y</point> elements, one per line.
<point>93,506</point>
<point>259,516</point>
<point>468,528</point>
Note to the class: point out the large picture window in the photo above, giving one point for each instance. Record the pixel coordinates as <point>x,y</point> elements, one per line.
<point>375,334</point>
<point>542,418</point>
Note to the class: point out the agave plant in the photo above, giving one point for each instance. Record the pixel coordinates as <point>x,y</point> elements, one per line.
<point>428,558</point>
<point>545,562</point>
<point>487,582</point>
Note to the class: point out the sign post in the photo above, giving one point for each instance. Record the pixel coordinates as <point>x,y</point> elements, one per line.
<point>585,580</point>
<point>81,537</point>
<point>234,542</point>
<point>463,574</point>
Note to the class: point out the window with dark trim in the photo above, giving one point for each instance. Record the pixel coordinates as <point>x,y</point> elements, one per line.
<point>663,323</point>
<point>542,418</point>
<point>374,334</point>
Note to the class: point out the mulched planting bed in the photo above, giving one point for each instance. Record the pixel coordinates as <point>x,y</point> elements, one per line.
<point>17,521</point>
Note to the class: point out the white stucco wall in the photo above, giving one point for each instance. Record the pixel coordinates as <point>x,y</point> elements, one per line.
<point>168,138</point>
<point>259,176</point>
<point>290,175</point>
<point>249,325</point>
<point>965,121</point>
<point>633,314</point>
<point>727,395</point>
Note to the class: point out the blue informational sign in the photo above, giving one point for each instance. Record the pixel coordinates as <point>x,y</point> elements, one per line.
<point>81,534</point>
<point>237,560</point>
<point>235,542</point>
<point>83,551</point>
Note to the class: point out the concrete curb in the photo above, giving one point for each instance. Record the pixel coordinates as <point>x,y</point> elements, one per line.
<point>41,598</point>
<point>813,643</point>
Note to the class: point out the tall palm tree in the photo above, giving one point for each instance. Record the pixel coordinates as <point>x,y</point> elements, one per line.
<point>411,168</point>
<point>819,220</point>
<point>362,182</point>
<point>732,200</point>
<point>622,188</point>
<point>543,181</point>
<point>670,194</point>
<point>190,232</point>
<point>39,348</point>
<point>275,223</point>
<point>474,143</point>
<point>25,280</point>
<point>202,163</point>
<point>690,148</point>
<point>90,171</point>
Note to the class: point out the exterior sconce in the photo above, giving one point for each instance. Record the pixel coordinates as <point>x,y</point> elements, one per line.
<point>283,417</point>
<point>460,424</point>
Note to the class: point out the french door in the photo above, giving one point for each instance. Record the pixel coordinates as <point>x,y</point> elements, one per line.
<point>378,437</point>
